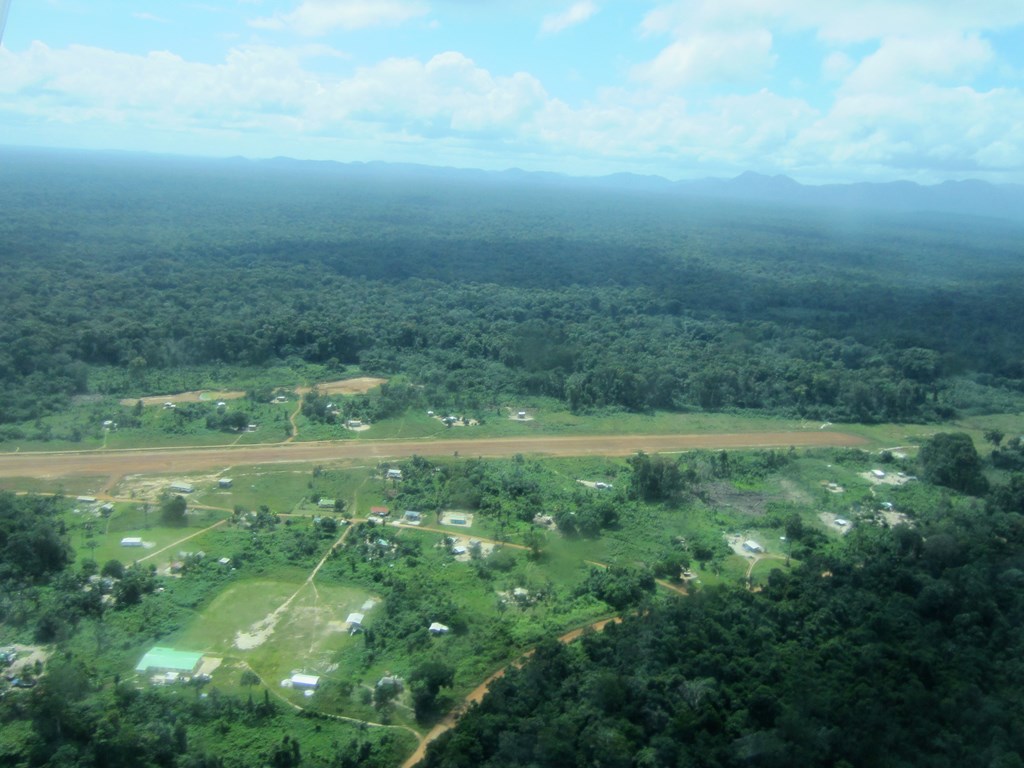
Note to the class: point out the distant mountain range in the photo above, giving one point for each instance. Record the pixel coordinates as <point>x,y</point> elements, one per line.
<point>967,198</point>
<point>971,198</point>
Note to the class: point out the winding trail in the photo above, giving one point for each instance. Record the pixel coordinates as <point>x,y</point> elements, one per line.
<point>291,420</point>
<point>475,696</point>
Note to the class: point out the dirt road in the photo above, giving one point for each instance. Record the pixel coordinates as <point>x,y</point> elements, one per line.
<point>170,460</point>
<point>477,694</point>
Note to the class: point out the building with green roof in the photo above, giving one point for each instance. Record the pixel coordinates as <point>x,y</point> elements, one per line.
<point>169,660</point>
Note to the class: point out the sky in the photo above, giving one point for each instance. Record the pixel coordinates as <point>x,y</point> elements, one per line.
<point>819,90</point>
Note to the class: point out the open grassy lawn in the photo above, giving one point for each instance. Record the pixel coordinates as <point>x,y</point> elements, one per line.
<point>98,537</point>
<point>286,627</point>
<point>279,488</point>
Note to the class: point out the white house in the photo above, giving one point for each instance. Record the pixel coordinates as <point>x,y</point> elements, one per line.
<point>180,487</point>
<point>224,482</point>
<point>437,628</point>
<point>355,621</point>
<point>309,682</point>
<point>878,473</point>
<point>412,517</point>
<point>131,541</point>
<point>394,474</point>
<point>752,546</point>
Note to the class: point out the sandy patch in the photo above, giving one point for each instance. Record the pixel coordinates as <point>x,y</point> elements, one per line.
<point>598,485</point>
<point>832,487</point>
<point>209,664</point>
<point>896,518</point>
<point>360,428</point>
<point>27,656</point>
<point>890,478</point>
<point>260,631</point>
<point>465,542</point>
<point>459,421</point>
<point>831,521</point>
<point>195,396</point>
<point>448,516</point>
<point>150,488</point>
<point>357,386</point>
<point>736,541</point>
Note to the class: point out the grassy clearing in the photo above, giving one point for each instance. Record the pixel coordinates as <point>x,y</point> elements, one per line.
<point>98,537</point>
<point>280,489</point>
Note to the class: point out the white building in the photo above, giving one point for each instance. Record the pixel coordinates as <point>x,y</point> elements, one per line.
<point>305,681</point>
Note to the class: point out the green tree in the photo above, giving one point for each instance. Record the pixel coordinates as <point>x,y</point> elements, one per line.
<point>172,510</point>
<point>950,459</point>
<point>994,436</point>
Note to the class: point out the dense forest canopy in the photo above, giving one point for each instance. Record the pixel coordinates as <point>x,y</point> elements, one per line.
<point>478,285</point>
<point>900,647</point>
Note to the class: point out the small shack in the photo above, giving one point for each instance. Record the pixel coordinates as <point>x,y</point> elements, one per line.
<point>394,474</point>
<point>131,541</point>
<point>393,682</point>
<point>412,517</point>
<point>752,546</point>
<point>308,682</point>
<point>224,482</point>
<point>180,487</point>
<point>436,628</point>
<point>355,622</point>
<point>325,503</point>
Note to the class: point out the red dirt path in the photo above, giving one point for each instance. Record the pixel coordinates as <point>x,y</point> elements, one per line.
<point>157,460</point>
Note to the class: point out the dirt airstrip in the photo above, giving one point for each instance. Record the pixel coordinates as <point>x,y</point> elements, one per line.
<point>117,463</point>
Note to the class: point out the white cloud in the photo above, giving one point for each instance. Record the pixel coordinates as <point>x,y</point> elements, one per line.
<point>142,16</point>
<point>319,17</point>
<point>706,58</point>
<point>903,110</point>
<point>836,21</point>
<point>836,65</point>
<point>577,13</point>
<point>932,131</point>
<point>898,61</point>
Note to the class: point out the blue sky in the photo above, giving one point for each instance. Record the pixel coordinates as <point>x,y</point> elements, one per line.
<point>821,90</point>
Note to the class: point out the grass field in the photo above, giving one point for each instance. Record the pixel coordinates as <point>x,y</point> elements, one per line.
<point>97,535</point>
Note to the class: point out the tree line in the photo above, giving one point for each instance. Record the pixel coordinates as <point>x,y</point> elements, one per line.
<point>477,291</point>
